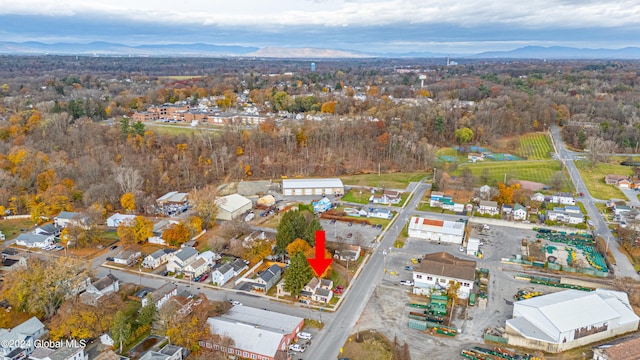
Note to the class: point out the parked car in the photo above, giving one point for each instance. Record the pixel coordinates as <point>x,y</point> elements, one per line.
<point>349,235</point>
<point>333,221</point>
<point>304,335</point>
<point>406,282</point>
<point>110,258</point>
<point>235,303</point>
<point>297,348</point>
<point>414,260</point>
<point>204,277</point>
<point>196,279</point>
<point>461,248</point>
<point>408,268</point>
<point>164,273</point>
<point>379,226</point>
<point>350,224</point>
<point>338,290</point>
<point>113,247</point>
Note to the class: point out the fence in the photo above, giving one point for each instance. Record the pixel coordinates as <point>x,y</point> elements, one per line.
<point>496,339</point>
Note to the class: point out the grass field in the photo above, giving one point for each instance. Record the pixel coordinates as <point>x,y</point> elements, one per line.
<point>594,179</point>
<point>538,171</point>
<point>535,146</point>
<point>387,181</point>
<point>11,228</point>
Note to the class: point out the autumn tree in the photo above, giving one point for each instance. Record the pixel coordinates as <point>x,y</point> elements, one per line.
<point>298,274</point>
<point>204,205</point>
<point>463,135</point>
<point>136,231</point>
<point>77,320</point>
<point>128,202</point>
<point>176,234</point>
<point>298,245</point>
<point>505,193</point>
<point>599,149</point>
<point>188,329</point>
<point>42,286</point>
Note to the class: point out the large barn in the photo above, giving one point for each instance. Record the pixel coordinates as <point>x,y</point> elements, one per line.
<point>569,319</point>
<point>436,230</point>
<point>327,187</point>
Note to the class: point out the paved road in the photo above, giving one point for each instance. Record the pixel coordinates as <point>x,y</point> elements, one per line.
<point>328,343</point>
<point>623,266</point>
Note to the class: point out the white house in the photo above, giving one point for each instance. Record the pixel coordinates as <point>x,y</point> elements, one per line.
<point>380,213</point>
<point>47,229</point>
<point>350,252</point>
<point>181,258</point>
<point>488,207</point>
<point>94,291</point>
<point>519,212</point>
<point>19,342</point>
<point>196,268</point>
<point>127,257</point>
<point>161,295</point>
<point>507,209</point>
<point>221,275</point>
<point>568,319</point>
<point>539,197</point>
<point>441,270</point>
<point>31,240</point>
<point>116,219</point>
<point>209,256</point>
<point>64,218</point>
<point>106,339</point>
<point>156,259</point>
<point>563,198</point>
<point>436,230</point>
<point>560,215</point>
<point>332,186</point>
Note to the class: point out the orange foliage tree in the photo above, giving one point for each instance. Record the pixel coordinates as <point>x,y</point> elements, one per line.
<point>176,234</point>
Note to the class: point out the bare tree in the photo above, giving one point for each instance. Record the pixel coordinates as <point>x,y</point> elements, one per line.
<point>599,149</point>
<point>128,179</point>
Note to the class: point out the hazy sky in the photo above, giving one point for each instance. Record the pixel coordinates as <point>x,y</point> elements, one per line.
<point>462,26</point>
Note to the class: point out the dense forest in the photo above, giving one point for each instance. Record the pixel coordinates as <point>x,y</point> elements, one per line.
<point>67,139</point>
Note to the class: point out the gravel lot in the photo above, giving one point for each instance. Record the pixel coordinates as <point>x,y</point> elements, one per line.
<point>387,310</point>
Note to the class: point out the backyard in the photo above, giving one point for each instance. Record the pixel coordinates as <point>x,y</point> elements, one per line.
<point>593,178</point>
<point>11,228</point>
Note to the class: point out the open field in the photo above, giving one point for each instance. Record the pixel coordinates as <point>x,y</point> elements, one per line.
<point>538,171</point>
<point>594,179</point>
<point>535,146</point>
<point>11,228</point>
<point>387,181</point>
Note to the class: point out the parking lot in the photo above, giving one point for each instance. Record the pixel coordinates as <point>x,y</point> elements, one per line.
<point>338,231</point>
<point>387,310</point>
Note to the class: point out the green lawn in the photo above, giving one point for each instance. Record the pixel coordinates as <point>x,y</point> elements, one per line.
<point>387,181</point>
<point>538,171</point>
<point>594,179</point>
<point>11,228</point>
<point>535,146</point>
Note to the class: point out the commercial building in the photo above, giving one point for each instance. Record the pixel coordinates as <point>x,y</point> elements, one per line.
<point>232,206</point>
<point>254,333</point>
<point>570,319</point>
<point>441,270</point>
<point>331,186</point>
<point>436,230</point>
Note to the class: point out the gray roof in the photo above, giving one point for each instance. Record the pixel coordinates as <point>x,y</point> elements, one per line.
<point>65,353</point>
<point>171,349</point>
<point>105,282</point>
<point>238,265</point>
<point>323,292</point>
<point>528,330</point>
<point>225,268</point>
<point>281,323</point>
<point>30,238</point>
<point>20,332</point>
<point>174,197</point>
<point>49,229</point>
<point>158,254</point>
<point>233,202</point>
<point>154,355</point>
<point>186,252</point>
<point>67,215</point>
<point>268,274</point>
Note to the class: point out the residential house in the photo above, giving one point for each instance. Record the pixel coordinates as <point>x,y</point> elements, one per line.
<point>19,342</point>
<point>158,229</point>
<point>379,199</point>
<point>612,179</point>
<point>380,213</point>
<point>157,258</point>
<point>441,270</point>
<point>572,209</point>
<point>181,258</point>
<point>70,351</point>
<point>507,209</point>
<point>196,268</point>
<point>350,252</point>
<point>488,207</point>
<point>268,278</point>
<point>539,197</point>
<point>127,257</point>
<point>239,266</point>
<point>561,215</point>
<point>393,196</point>
<point>116,219</point>
<point>94,291</point>
<point>34,240</point>
<point>355,212</point>
<point>439,199</point>
<point>624,184</point>
<point>161,295</point>
<point>64,218</point>
<point>322,295</point>
<point>627,348</point>
<point>222,274</point>
<point>106,339</point>
<point>621,210</point>
<point>563,198</point>
<point>168,352</point>
<point>519,212</point>
<point>109,355</point>
<point>321,205</point>
<point>47,229</point>
<point>473,157</point>
<point>210,257</point>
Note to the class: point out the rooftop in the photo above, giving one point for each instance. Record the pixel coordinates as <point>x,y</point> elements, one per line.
<point>445,264</point>
<point>311,183</point>
<point>233,202</point>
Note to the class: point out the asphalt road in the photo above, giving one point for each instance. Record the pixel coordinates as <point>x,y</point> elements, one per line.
<point>328,343</point>
<point>623,266</point>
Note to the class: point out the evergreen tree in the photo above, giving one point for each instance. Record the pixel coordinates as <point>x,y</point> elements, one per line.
<point>121,329</point>
<point>298,274</point>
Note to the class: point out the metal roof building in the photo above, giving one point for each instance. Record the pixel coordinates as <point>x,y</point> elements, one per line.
<point>232,206</point>
<point>331,186</point>
<point>436,230</point>
<point>258,332</point>
<point>569,319</point>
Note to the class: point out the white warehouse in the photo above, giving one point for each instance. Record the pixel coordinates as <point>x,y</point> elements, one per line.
<point>332,186</point>
<point>569,319</point>
<point>436,230</point>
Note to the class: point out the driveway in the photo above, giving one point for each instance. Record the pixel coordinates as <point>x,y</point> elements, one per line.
<point>632,195</point>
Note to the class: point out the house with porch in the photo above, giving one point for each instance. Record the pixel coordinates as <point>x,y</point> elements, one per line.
<point>519,212</point>
<point>268,278</point>
<point>181,258</point>
<point>222,274</point>
<point>19,342</point>
<point>488,207</point>
<point>157,258</point>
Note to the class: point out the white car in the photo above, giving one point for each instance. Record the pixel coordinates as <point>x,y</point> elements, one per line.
<point>406,282</point>
<point>461,248</point>
<point>235,303</point>
<point>297,348</point>
<point>304,335</point>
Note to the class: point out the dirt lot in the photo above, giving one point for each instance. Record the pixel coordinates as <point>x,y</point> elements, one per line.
<point>387,310</point>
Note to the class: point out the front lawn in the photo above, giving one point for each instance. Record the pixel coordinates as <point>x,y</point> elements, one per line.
<point>593,178</point>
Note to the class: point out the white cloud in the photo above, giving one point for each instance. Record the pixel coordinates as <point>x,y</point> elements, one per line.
<point>336,13</point>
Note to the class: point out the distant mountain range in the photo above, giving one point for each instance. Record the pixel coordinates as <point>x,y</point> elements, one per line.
<point>114,49</point>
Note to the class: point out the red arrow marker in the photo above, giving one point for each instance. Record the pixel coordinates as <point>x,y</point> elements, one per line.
<point>319,264</point>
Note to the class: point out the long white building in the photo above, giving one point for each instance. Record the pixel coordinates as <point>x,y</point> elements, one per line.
<point>332,186</point>
<point>569,319</point>
<point>436,230</point>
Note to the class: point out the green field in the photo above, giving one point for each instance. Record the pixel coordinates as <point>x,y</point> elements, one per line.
<point>11,228</point>
<point>594,179</point>
<point>387,181</point>
<point>174,129</point>
<point>538,171</point>
<point>535,146</point>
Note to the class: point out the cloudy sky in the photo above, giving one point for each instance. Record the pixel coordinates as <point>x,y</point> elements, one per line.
<point>442,26</point>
